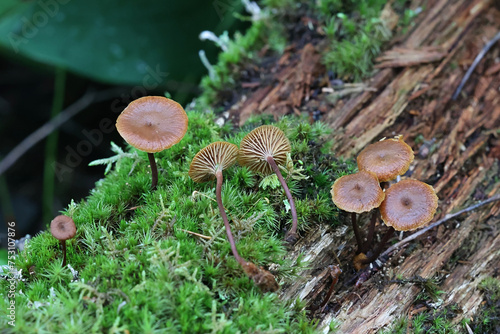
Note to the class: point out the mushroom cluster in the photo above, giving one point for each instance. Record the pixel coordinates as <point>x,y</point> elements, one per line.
<point>404,206</point>
<point>154,123</point>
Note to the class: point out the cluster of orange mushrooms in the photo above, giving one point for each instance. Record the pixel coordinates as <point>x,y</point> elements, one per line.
<point>154,123</point>
<point>403,206</point>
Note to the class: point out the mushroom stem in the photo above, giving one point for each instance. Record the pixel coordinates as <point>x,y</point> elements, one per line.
<point>218,191</point>
<point>154,171</point>
<point>380,246</point>
<point>371,232</point>
<point>291,236</point>
<point>335,272</point>
<point>63,243</point>
<point>357,233</point>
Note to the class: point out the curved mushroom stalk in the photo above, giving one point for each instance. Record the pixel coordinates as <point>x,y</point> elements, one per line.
<point>209,164</point>
<point>292,236</point>
<point>262,150</point>
<point>218,195</point>
<point>154,171</point>
<point>335,272</point>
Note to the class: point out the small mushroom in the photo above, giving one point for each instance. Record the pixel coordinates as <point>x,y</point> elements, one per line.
<point>262,150</point>
<point>387,158</point>
<point>152,124</point>
<point>357,193</point>
<point>408,205</point>
<point>207,165</point>
<point>63,228</point>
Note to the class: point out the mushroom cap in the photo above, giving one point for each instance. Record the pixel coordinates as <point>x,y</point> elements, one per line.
<point>216,156</point>
<point>408,205</point>
<point>62,227</point>
<point>152,123</point>
<point>359,192</point>
<point>260,143</point>
<point>387,158</point>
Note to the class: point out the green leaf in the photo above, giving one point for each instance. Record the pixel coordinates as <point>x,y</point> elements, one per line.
<point>150,43</point>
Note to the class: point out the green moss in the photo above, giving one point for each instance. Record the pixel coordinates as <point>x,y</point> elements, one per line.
<point>488,317</point>
<point>356,33</point>
<point>139,267</point>
<point>437,321</point>
<point>353,29</point>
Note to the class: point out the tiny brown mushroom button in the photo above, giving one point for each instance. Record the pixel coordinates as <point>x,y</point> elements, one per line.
<point>408,205</point>
<point>152,124</point>
<point>387,158</point>
<point>63,228</point>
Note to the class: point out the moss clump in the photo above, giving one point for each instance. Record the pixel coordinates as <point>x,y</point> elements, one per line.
<point>139,267</point>
<point>354,30</point>
<point>434,321</point>
<point>356,33</point>
<point>488,320</point>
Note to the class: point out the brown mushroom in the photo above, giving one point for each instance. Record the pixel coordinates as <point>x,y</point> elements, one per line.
<point>152,124</point>
<point>63,228</point>
<point>262,150</point>
<point>387,158</point>
<point>207,165</point>
<point>408,205</point>
<point>357,193</point>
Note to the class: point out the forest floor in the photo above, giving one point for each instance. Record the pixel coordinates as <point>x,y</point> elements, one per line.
<point>457,151</point>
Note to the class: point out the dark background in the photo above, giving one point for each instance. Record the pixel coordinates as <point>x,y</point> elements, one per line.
<point>98,46</point>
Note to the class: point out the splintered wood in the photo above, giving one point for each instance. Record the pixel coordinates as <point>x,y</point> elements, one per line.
<point>290,89</point>
<point>457,146</point>
<point>399,57</point>
<point>458,150</point>
<point>459,155</point>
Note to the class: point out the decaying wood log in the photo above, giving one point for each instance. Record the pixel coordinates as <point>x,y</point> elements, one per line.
<point>460,164</point>
<point>457,149</point>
